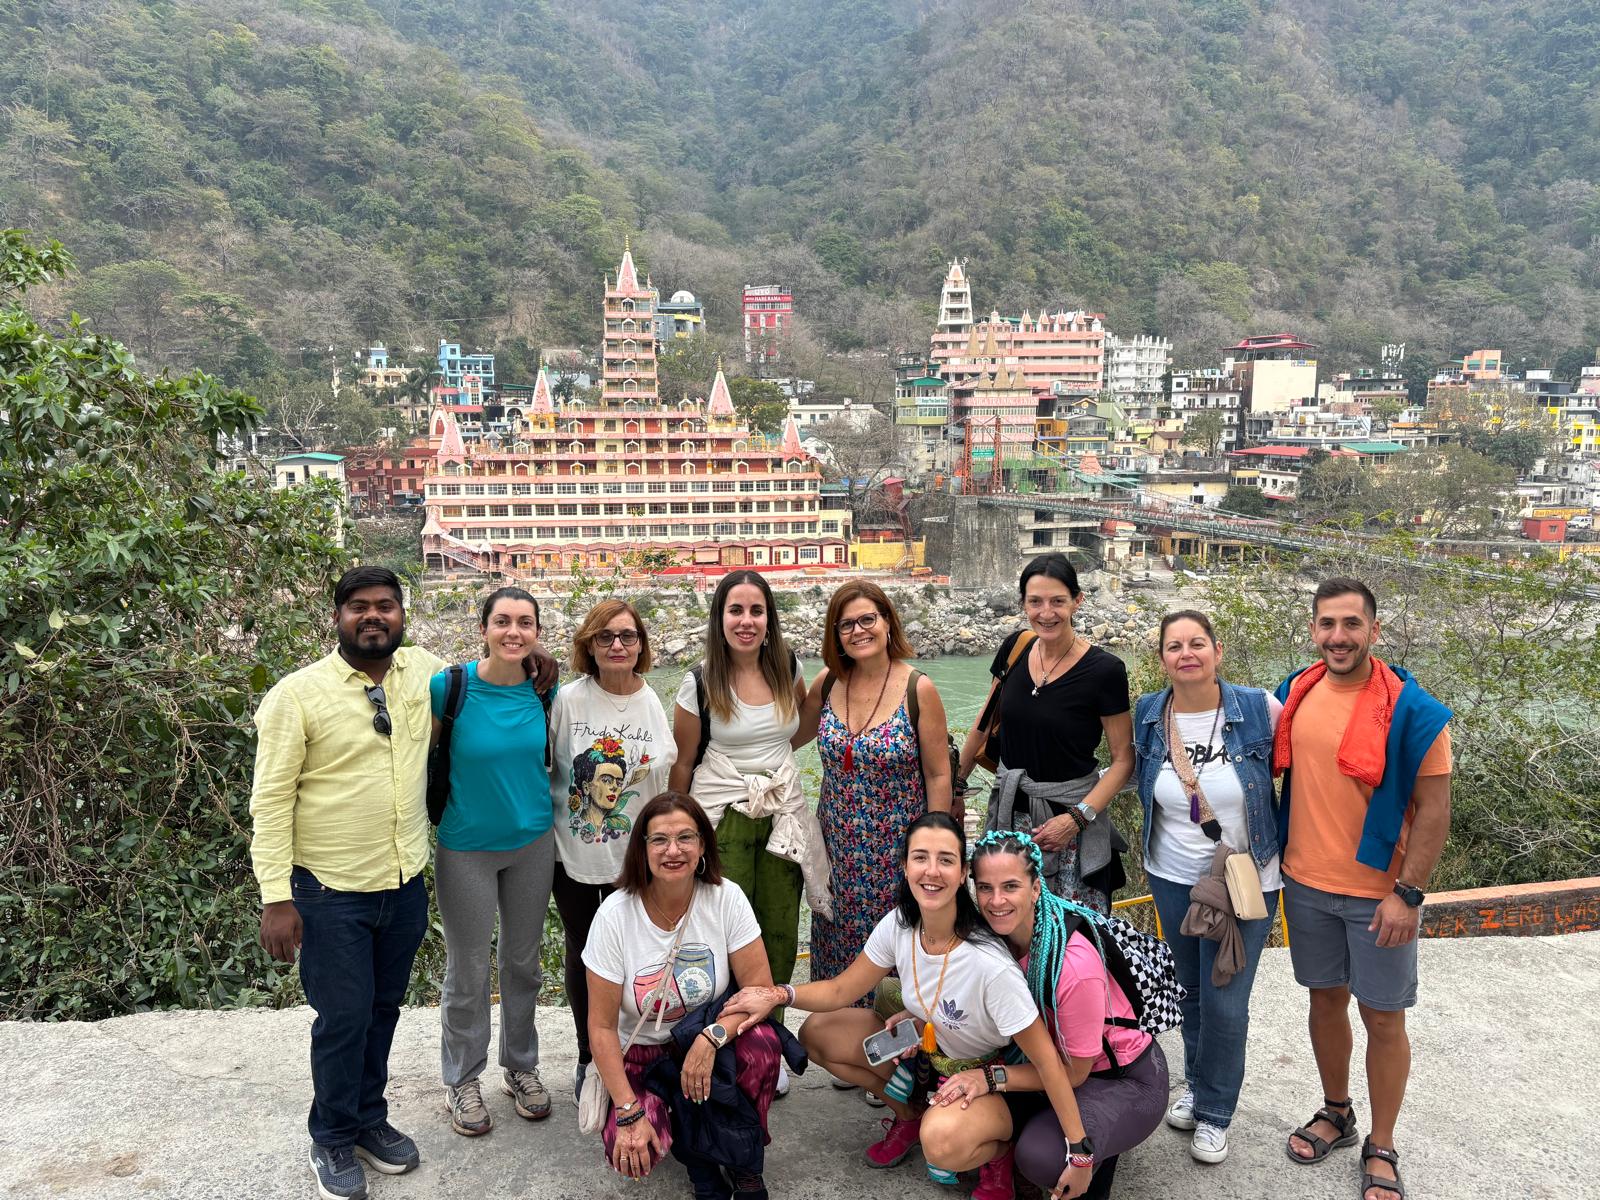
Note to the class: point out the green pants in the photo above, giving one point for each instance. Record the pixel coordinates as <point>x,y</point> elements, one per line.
<point>771,884</point>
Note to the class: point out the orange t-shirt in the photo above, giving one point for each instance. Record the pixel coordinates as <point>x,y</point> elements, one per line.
<point>1328,808</point>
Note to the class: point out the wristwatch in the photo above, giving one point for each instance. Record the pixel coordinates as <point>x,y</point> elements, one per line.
<point>996,1076</point>
<point>1414,896</point>
<point>1086,809</point>
<point>716,1034</point>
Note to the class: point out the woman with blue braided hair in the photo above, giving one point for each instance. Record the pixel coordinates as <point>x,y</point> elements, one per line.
<point>1118,1074</point>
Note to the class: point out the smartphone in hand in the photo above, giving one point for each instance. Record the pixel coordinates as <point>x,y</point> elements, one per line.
<point>889,1044</point>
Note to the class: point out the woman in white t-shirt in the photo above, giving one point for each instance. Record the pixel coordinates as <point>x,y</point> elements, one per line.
<point>671,893</point>
<point>751,689</point>
<point>612,749</point>
<point>1224,732</point>
<point>968,998</point>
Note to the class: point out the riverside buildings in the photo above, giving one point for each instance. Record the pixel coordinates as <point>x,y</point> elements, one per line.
<point>588,483</point>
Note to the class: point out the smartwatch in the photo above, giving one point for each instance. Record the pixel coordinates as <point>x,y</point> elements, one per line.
<point>1413,896</point>
<point>996,1075</point>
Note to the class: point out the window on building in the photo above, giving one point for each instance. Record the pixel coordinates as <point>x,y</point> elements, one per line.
<point>830,527</point>
<point>476,510</point>
<point>499,510</point>
<point>810,554</point>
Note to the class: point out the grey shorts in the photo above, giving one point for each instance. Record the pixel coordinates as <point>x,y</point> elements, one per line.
<point>1330,947</point>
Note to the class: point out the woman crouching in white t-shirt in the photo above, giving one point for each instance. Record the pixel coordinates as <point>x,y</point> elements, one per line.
<point>967,996</point>
<point>671,896</point>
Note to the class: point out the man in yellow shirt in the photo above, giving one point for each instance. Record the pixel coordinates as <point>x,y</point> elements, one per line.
<point>341,840</point>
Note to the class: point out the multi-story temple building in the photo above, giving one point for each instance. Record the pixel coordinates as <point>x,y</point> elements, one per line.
<point>583,483</point>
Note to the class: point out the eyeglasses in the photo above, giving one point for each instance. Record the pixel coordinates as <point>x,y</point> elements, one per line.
<point>628,637</point>
<point>684,841</point>
<point>380,719</point>
<point>864,622</point>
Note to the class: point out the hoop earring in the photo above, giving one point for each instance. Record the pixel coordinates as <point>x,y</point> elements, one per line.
<point>700,867</point>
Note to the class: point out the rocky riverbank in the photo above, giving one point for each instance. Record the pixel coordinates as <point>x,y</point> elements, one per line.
<point>937,620</point>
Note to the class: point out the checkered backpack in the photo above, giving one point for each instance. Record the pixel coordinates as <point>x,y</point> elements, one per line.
<point>1143,968</point>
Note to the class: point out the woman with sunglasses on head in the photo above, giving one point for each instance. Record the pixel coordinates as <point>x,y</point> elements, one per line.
<point>736,715</point>
<point>662,949</point>
<point>1205,779</point>
<point>1057,698</point>
<point>495,858</point>
<point>969,1001</point>
<point>1117,1073</point>
<point>882,766</point>
<point>611,750</point>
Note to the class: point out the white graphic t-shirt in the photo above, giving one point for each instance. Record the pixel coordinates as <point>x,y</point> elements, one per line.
<point>984,1002</point>
<point>611,756</point>
<point>1179,849</point>
<point>628,948</point>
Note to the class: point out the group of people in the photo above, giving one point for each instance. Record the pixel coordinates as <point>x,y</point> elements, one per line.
<point>677,851</point>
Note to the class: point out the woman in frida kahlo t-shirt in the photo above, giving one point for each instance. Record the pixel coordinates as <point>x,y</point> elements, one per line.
<point>612,748</point>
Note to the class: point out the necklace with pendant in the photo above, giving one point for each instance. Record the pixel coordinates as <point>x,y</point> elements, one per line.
<point>1072,645</point>
<point>849,746</point>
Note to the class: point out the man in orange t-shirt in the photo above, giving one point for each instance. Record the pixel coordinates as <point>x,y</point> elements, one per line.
<point>1369,764</point>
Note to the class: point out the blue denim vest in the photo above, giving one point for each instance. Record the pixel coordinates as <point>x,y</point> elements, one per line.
<point>1247,738</point>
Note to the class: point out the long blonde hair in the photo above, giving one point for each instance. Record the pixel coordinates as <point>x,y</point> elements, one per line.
<point>777,664</point>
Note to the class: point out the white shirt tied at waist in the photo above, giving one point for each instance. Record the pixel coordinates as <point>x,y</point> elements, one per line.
<point>796,836</point>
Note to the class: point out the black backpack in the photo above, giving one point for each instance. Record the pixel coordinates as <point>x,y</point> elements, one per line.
<point>455,695</point>
<point>1143,967</point>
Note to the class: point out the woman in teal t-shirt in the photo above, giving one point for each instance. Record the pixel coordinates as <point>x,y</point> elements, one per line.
<point>496,856</point>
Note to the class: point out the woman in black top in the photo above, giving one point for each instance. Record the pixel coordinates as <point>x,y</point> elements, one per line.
<point>1057,698</point>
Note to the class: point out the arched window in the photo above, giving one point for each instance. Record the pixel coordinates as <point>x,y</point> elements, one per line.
<point>686,469</point>
<point>575,447</point>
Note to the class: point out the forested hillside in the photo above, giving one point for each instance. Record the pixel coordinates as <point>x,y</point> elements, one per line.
<point>243,181</point>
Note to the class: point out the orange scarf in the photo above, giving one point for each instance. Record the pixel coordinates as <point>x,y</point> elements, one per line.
<point>1363,749</point>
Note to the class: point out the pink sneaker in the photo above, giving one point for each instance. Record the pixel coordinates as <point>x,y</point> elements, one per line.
<point>994,1178</point>
<point>899,1139</point>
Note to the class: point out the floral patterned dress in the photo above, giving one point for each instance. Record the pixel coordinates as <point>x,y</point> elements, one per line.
<point>864,813</point>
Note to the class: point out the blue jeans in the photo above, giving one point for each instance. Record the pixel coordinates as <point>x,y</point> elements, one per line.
<point>1215,1020</point>
<point>355,964</point>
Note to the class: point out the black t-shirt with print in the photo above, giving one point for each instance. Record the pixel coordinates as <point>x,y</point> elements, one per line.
<point>1053,736</point>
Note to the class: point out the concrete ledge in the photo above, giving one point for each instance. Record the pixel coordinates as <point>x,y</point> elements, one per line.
<point>212,1105</point>
<point>1522,910</point>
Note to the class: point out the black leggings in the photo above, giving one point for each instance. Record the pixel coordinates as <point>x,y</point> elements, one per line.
<point>1117,1114</point>
<point>577,903</point>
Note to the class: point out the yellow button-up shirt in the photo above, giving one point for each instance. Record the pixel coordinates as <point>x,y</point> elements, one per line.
<point>331,793</point>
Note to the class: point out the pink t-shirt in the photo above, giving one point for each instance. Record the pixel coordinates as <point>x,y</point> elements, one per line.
<point>1081,997</point>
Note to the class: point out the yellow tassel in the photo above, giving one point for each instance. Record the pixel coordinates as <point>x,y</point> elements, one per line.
<point>930,1038</point>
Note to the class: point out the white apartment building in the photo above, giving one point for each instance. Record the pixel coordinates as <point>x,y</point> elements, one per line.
<point>1135,371</point>
<point>1208,390</point>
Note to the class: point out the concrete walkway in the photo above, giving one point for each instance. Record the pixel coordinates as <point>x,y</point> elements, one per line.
<point>1503,1105</point>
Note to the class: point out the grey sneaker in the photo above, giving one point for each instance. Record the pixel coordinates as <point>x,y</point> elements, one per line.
<point>468,1116</point>
<point>388,1150</point>
<point>1209,1144</point>
<point>528,1090</point>
<point>339,1176</point>
<point>1181,1114</point>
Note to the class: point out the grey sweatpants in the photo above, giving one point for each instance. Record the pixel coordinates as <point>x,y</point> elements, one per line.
<point>471,886</point>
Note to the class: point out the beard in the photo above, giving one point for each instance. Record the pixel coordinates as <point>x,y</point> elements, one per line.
<point>373,650</point>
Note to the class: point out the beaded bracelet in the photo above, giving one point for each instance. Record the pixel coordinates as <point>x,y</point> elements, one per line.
<point>1081,1160</point>
<point>623,1122</point>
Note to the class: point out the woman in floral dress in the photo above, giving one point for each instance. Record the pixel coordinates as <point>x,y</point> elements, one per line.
<point>885,762</point>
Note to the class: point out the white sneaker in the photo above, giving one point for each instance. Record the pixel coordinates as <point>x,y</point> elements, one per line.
<point>839,1085</point>
<point>1181,1114</point>
<point>783,1079</point>
<point>1210,1144</point>
<point>873,1099</point>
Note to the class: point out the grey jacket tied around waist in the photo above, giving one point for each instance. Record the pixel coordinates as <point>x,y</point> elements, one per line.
<point>1088,853</point>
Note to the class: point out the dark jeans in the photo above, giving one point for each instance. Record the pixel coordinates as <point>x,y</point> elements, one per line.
<point>577,903</point>
<point>1216,1021</point>
<point>355,963</point>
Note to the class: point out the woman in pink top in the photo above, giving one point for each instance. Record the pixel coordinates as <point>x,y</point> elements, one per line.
<point>1118,1074</point>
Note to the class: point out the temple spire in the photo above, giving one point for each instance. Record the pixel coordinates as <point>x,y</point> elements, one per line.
<point>721,398</point>
<point>627,273</point>
<point>542,402</point>
<point>791,440</point>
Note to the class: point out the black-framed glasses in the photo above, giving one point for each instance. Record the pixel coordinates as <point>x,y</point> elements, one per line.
<point>864,622</point>
<point>380,701</point>
<point>628,637</point>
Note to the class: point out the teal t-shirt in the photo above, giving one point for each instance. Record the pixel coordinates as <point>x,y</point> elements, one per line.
<point>499,787</point>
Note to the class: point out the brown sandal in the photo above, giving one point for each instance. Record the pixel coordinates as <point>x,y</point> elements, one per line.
<point>1370,1181</point>
<point>1344,1122</point>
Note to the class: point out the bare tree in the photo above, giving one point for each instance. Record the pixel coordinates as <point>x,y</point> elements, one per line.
<point>863,451</point>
